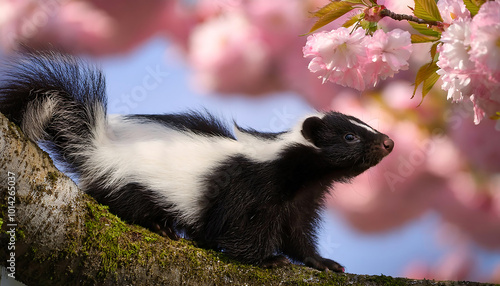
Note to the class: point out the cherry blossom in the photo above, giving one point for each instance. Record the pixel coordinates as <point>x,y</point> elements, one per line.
<point>355,59</point>
<point>452,10</point>
<point>387,54</point>
<point>454,63</point>
<point>224,60</point>
<point>470,139</point>
<point>470,62</point>
<point>336,53</point>
<point>485,48</point>
<point>485,53</point>
<point>88,27</point>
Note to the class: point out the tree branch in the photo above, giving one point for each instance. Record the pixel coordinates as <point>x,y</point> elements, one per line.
<point>404,17</point>
<point>63,237</point>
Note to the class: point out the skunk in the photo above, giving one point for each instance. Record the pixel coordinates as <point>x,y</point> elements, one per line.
<point>255,196</point>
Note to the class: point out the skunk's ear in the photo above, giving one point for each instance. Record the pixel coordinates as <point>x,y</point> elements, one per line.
<point>310,129</point>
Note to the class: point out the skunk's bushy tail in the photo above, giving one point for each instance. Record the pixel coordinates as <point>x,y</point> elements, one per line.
<point>57,99</point>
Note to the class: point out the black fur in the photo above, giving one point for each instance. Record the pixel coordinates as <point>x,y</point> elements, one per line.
<point>197,122</point>
<point>262,135</point>
<point>254,211</point>
<point>277,207</point>
<point>138,205</point>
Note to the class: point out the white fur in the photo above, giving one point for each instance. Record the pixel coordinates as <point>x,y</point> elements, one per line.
<point>363,125</point>
<point>37,116</point>
<point>170,162</point>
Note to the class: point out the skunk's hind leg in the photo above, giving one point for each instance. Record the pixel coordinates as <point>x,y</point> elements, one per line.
<point>166,229</point>
<point>275,262</point>
<point>137,204</point>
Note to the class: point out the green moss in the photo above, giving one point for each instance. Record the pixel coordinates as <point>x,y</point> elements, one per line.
<point>33,250</point>
<point>20,233</point>
<point>387,280</point>
<point>52,177</point>
<point>117,243</point>
<point>150,239</point>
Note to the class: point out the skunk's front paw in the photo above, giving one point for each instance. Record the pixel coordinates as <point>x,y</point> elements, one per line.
<point>324,264</point>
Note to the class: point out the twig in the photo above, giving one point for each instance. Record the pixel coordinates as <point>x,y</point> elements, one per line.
<point>401,17</point>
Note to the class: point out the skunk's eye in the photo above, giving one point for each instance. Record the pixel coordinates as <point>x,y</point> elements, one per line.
<point>350,138</point>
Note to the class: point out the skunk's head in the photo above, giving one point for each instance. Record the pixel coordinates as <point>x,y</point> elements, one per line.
<point>347,142</point>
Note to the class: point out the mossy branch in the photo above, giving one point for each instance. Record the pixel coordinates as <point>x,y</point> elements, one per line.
<point>63,237</point>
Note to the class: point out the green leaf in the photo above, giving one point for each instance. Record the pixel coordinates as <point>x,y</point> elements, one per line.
<point>421,76</point>
<point>433,51</point>
<point>330,12</point>
<point>428,76</point>
<point>424,30</point>
<point>473,6</point>
<point>354,1</point>
<point>427,10</point>
<point>353,19</point>
<point>430,81</point>
<point>331,7</point>
<point>416,38</point>
<point>369,27</point>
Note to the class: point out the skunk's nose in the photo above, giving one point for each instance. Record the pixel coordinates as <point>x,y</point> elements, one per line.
<point>388,145</point>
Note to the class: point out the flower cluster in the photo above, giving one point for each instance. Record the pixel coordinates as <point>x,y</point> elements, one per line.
<point>357,60</point>
<point>469,57</point>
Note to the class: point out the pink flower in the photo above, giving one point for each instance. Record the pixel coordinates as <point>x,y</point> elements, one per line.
<point>277,20</point>
<point>472,208</point>
<point>485,53</point>
<point>486,101</point>
<point>456,43</point>
<point>90,27</point>
<point>483,154</point>
<point>452,10</point>
<point>454,63</point>
<point>337,51</point>
<point>485,47</point>
<point>356,60</point>
<point>469,61</point>
<point>388,53</point>
<point>228,55</point>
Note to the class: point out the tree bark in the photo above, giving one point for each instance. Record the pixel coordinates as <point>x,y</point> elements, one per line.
<point>54,234</point>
